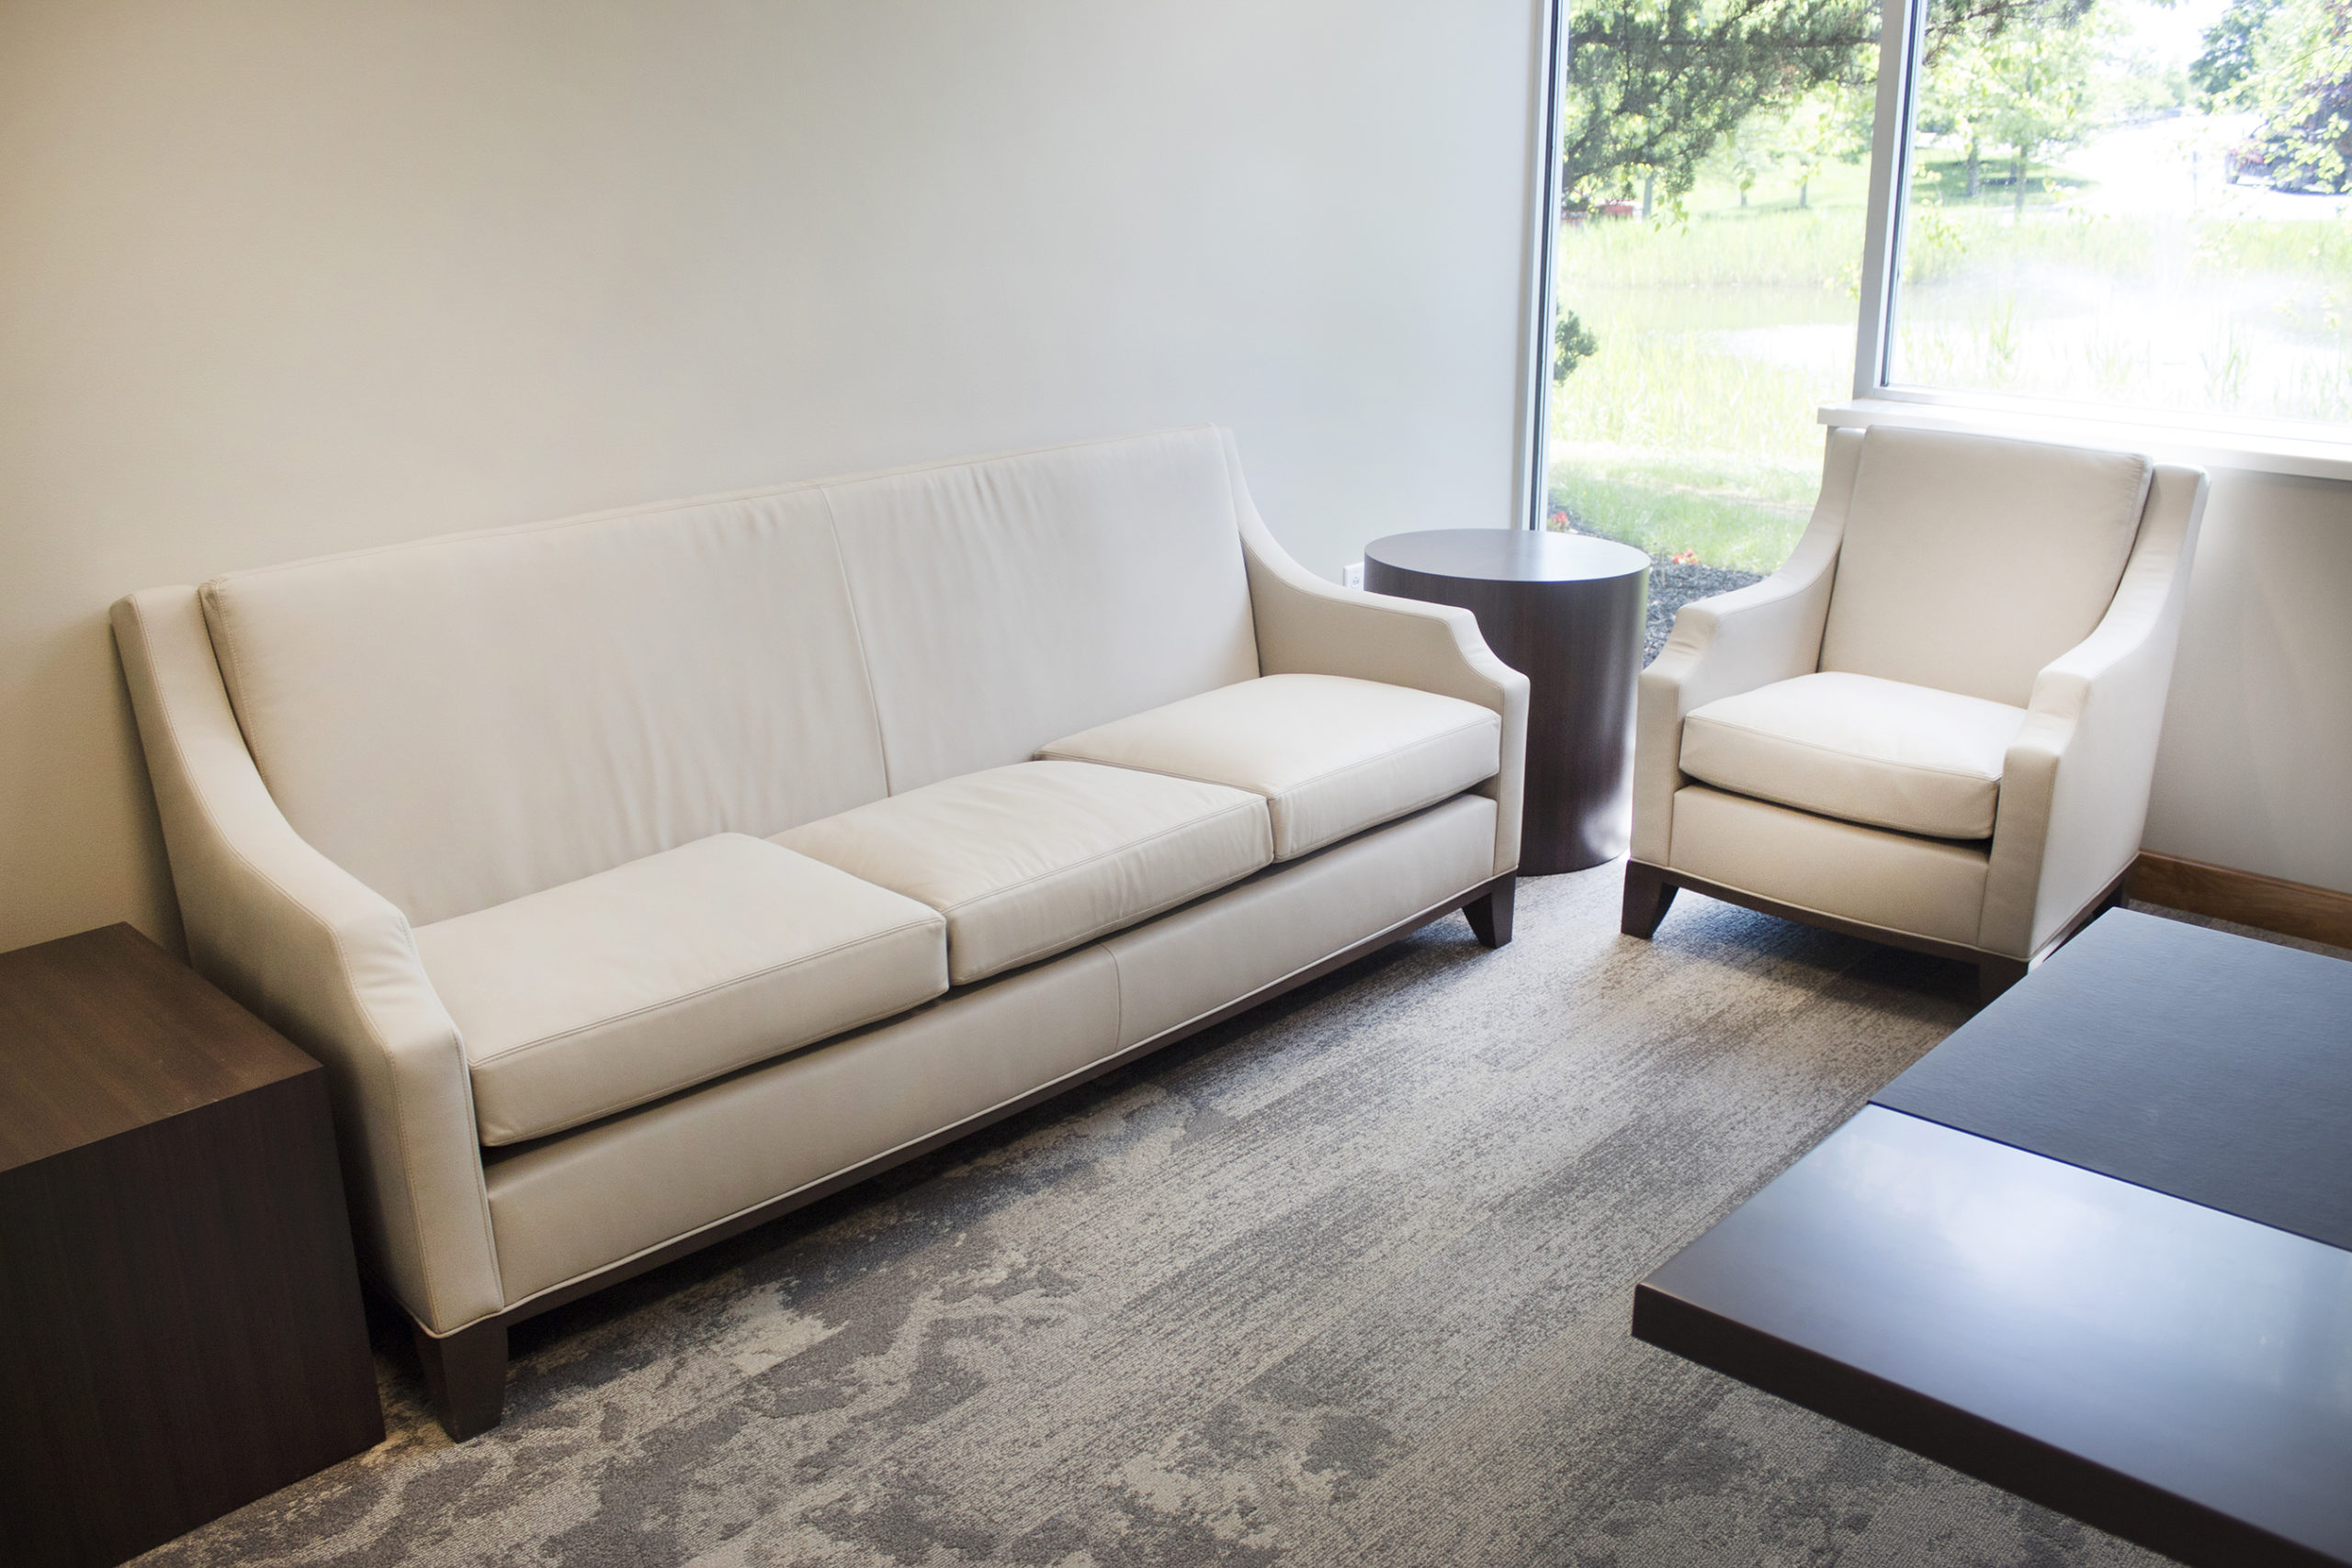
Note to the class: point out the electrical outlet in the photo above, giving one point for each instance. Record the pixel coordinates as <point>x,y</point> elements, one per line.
<point>1352,575</point>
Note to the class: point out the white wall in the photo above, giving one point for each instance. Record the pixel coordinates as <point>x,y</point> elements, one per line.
<point>2256,770</point>
<point>279,277</point>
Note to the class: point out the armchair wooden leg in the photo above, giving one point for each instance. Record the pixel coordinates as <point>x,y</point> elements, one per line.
<point>1490,914</point>
<point>1995,976</point>
<point>465,1377</point>
<point>1648,895</point>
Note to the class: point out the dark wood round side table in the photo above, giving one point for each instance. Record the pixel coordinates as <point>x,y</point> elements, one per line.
<point>1565,611</point>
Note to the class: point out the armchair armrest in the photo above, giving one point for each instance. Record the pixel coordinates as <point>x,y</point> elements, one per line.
<point>323,959</point>
<point>1306,626</point>
<point>1735,642</point>
<point>2075,782</point>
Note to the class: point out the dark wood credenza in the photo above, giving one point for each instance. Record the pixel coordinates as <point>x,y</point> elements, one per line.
<point>180,1322</point>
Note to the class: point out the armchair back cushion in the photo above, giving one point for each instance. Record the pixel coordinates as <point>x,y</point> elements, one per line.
<point>1969,562</point>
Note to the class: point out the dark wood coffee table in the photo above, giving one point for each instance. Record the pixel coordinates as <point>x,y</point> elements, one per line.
<point>2094,1248</point>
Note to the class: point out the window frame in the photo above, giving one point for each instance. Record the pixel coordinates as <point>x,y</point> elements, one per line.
<point>1901,36</point>
<point>1535,382</point>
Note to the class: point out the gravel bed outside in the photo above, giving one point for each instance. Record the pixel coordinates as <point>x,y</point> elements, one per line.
<point>1673,586</point>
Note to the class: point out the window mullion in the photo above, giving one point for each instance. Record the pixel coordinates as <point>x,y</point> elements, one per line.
<point>1542,264</point>
<point>1902,32</point>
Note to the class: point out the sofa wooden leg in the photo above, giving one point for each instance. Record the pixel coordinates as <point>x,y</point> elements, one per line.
<point>1490,914</point>
<point>1995,976</point>
<point>465,1377</point>
<point>1648,895</point>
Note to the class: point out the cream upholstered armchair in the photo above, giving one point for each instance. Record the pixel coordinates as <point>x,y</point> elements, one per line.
<point>1936,725</point>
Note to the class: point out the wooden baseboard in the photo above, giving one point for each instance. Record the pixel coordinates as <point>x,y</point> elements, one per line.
<point>2291,909</point>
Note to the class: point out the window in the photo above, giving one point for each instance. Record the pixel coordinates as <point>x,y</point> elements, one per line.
<point>1714,197</point>
<point>2133,203</point>
<point>1769,205</point>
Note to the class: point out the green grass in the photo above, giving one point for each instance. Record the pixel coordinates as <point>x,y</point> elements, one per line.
<point>1675,436</point>
<point>1943,178</point>
<point>1720,330</point>
<point>1729,248</point>
<point>1674,389</point>
<point>2263,333</point>
<point>1730,513</point>
<point>2321,250</point>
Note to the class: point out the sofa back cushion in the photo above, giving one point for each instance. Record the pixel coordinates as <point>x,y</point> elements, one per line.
<point>1006,603</point>
<point>1969,562</point>
<point>462,721</point>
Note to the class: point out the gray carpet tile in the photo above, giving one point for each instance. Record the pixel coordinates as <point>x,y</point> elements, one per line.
<point>1344,1281</point>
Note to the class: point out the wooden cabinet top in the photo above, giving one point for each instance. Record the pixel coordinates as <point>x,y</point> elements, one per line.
<point>105,1032</point>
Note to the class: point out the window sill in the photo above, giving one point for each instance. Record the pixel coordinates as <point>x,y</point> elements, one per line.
<point>2165,442</point>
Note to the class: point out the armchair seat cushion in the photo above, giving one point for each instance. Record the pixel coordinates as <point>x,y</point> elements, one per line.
<point>1330,755</point>
<point>1028,861</point>
<point>667,971</point>
<point>1859,749</point>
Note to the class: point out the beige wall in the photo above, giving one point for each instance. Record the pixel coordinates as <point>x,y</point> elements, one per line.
<point>2256,770</point>
<point>281,278</point>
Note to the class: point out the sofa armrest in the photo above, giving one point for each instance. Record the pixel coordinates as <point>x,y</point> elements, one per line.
<point>1735,642</point>
<point>1309,627</point>
<point>2074,783</point>
<point>323,959</point>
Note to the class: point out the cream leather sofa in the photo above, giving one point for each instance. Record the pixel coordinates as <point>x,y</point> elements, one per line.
<point>1936,725</point>
<point>640,876</point>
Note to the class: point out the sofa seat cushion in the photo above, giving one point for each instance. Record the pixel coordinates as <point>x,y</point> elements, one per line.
<point>1027,861</point>
<point>1859,748</point>
<point>1332,755</point>
<point>666,972</point>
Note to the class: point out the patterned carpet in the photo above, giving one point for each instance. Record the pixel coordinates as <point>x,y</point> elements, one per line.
<point>1346,1281</point>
